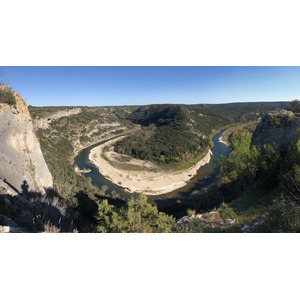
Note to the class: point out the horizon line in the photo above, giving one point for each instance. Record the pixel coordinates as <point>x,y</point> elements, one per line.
<point>219,103</point>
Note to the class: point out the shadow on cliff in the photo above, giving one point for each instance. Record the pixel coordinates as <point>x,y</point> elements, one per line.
<point>24,188</point>
<point>48,212</point>
<point>52,211</point>
<point>36,212</point>
<point>11,186</point>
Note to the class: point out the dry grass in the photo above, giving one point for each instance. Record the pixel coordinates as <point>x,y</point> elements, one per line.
<point>50,228</point>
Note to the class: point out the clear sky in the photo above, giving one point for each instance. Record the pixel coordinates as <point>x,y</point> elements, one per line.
<point>93,86</point>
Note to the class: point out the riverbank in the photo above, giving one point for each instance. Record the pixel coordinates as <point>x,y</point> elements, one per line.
<point>140,176</point>
<point>222,141</point>
<point>108,135</point>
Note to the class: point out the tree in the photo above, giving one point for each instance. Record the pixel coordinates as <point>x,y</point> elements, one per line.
<point>243,160</point>
<point>294,106</point>
<point>137,216</point>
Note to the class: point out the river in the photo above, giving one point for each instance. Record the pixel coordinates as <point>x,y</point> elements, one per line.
<point>205,175</point>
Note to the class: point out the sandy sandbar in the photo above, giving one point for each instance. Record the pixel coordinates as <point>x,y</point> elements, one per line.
<point>222,141</point>
<point>149,179</point>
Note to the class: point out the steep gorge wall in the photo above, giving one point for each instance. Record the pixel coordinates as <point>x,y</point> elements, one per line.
<point>22,164</point>
<point>43,123</point>
<point>277,128</point>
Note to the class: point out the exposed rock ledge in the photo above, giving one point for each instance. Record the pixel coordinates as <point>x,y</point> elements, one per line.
<point>277,128</point>
<point>44,122</point>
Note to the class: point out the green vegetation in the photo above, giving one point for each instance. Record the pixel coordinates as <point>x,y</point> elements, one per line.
<point>243,161</point>
<point>253,186</point>
<point>43,112</point>
<point>294,106</point>
<point>181,133</point>
<point>6,95</point>
<point>169,137</point>
<point>136,216</point>
<point>95,210</point>
<point>237,129</point>
<point>261,187</point>
<point>63,136</point>
<point>227,212</point>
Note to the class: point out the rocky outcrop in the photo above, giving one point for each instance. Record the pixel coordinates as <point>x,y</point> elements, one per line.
<point>44,122</point>
<point>207,221</point>
<point>23,167</point>
<point>277,128</point>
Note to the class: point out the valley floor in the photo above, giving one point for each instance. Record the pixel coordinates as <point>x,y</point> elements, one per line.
<point>140,176</point>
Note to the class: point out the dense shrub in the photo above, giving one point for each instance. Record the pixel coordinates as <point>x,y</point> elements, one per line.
<point>282,216</point>
<point>136,216</point>
<point>6,95</point>
<point>227,212</point>
<point>294,106</point>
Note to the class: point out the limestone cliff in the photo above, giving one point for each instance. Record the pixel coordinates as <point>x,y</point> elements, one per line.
<point>22,164</point>
<point>43,123</point>
<point>277,128</point>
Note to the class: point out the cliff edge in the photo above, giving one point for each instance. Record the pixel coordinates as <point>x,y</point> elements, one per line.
<point>277,128</point>
<point>44,123</point>
<point>22,163</point>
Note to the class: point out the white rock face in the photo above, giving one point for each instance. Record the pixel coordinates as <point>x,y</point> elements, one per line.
<point>277,128</point>
<point>44,122</point>
<point>22,165</point>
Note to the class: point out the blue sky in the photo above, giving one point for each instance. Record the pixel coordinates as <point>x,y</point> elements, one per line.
<point>93,86</point>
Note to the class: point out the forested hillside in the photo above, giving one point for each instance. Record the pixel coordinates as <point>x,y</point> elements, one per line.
<point>172,134</point>
<point>68,135</point>
<point>177,133</point>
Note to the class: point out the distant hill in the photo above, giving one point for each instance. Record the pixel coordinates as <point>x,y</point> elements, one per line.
<point>282,104</point>
<point>176,133</point>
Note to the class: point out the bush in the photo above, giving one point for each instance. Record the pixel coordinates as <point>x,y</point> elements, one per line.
<point>137,216</point>
<point>283,216</point>
<point>294,106</point>
<point>190,212</point>
<point>6,95</point>
<point>226,213</point>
